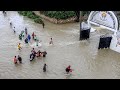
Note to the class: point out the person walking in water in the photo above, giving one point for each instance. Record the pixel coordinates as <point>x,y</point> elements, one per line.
<point>25,30</point>
<point>19,59</point>
<point>33,51</point>
<point>10,24</point>
<point>15,60</point>
<point>20,36</point>
<point>26,40</point>
<point>14,29</point>
<point>44,68</point>
<point>29,37</point>
<point>43,24</point>
<point>32,55</point>
<point>51,42</point>
<point>22,33</point>
<point>44,53</point>
<point>5,13</point>
<point>19,46</point>
<point>68,69</point>
<point>33,35</point>
<point>37,42</point>
<point>38,53</point>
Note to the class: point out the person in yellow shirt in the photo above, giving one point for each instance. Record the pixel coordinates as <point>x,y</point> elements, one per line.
<point>19,46</point>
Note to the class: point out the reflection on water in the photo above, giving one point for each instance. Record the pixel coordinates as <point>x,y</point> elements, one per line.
<point>83,56</point>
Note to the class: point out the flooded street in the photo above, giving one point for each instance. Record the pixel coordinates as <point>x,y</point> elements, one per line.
<point>84,57</point>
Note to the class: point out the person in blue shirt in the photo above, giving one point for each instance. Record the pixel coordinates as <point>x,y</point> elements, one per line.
<point>29,37</point>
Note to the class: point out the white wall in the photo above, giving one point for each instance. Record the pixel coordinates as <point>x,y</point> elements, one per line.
<point>114,43</point>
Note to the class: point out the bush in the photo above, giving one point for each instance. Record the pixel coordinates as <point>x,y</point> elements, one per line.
<point>86,12</point>
<point>31,15</point>
<point>38,20</point>
<point>59,14</point>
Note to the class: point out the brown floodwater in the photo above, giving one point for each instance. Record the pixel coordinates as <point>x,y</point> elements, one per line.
<point>84,57</point>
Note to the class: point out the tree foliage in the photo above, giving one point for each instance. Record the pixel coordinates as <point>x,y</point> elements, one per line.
<point>31,15</point>
<point>59,14</point>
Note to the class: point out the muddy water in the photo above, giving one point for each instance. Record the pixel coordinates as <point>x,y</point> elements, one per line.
<point>84,57</point>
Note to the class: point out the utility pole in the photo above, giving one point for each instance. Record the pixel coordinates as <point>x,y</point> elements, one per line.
<point>81,17</point>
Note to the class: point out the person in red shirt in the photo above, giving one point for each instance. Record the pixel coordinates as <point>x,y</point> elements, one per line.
<point>33,35</point>
<point>68,69</point>
<point>15,60</point>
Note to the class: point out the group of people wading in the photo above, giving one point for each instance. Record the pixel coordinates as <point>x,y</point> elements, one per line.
<point>34,54</point>
<point>37,54</point>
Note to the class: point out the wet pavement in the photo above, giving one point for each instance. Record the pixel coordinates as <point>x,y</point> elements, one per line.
<point>84,57</point>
